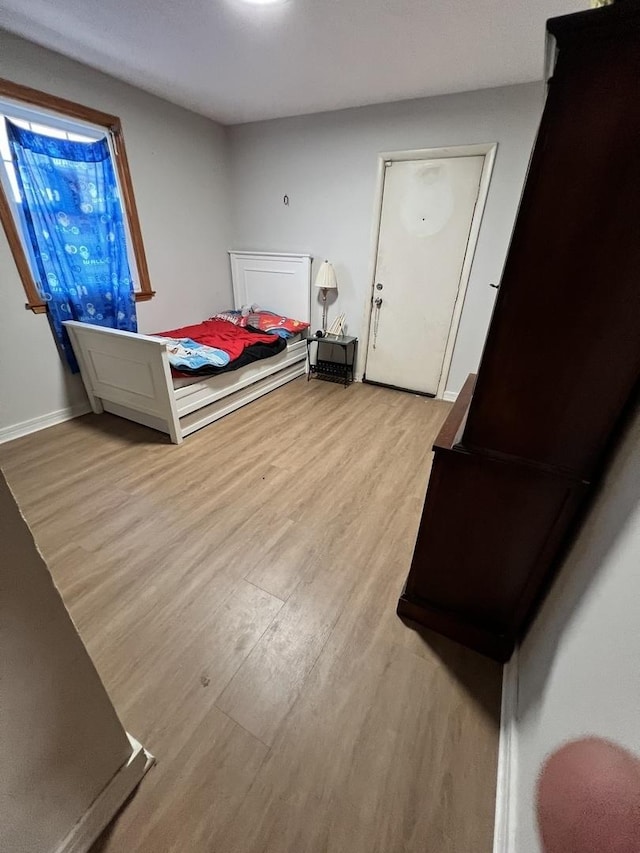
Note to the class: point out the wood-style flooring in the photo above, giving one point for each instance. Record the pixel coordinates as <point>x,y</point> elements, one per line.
<point>238,595</point>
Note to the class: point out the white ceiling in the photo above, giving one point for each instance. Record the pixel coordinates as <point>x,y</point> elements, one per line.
<point>237,62</point>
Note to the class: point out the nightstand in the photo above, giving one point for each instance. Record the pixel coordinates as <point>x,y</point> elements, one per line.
<point>333,371</point>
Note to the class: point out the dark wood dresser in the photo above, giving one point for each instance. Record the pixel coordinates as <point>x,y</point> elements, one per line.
<point>521,449</point>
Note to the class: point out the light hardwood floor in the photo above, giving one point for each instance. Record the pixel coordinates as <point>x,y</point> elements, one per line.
<point>238,597</point>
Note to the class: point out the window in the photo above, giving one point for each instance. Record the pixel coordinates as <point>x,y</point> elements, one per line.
<point>51,116</point>
<point>9,111</point>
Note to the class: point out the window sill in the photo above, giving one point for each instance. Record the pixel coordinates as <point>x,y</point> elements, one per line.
<point>41,307</point>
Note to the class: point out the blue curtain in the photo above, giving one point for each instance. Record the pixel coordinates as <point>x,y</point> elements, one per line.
<point>73,217</point>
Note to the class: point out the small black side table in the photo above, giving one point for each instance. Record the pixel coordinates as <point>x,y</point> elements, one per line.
<point>333,371</point>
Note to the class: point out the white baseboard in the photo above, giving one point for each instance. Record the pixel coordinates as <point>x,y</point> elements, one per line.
<point>450,396</point>
<point>506,791</point>
<point>107,804</point>
<point>43,421</point>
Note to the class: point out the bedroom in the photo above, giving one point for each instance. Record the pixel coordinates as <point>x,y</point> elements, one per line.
<point>229,174</point>
<point>309,451</point>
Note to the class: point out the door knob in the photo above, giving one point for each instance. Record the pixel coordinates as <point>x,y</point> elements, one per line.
<point>378,302</point>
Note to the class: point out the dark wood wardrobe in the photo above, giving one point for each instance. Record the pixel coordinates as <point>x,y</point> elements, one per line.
<point>521,449</point>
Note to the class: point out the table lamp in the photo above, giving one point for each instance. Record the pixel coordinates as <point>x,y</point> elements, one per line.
<point>326,280</point>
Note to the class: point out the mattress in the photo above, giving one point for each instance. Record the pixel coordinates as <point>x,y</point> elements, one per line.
<point>180,381</point>
<point>242,345</point>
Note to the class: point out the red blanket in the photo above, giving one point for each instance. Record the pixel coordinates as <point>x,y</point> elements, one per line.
<point>220,334</point>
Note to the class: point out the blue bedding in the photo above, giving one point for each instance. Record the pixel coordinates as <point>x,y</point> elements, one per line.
<point>186,354</point>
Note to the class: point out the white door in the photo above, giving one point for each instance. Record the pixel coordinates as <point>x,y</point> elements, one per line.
<point>427,211</point>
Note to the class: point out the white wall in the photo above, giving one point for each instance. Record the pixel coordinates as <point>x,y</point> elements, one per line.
<point>327,164</point>
<point>579,668</point>
<point>179,169</point>
<point>60,739</point>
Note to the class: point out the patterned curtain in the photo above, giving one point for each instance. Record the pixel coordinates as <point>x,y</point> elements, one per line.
<point>73,218</point>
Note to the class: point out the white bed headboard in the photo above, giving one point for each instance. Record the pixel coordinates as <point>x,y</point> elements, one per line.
<point>276,282</point>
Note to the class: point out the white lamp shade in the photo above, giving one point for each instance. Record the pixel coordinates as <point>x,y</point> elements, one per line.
<point>326,277</point>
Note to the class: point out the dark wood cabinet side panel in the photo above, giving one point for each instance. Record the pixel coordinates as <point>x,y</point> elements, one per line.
<point>484,530</point>
<point>450,624</point>
<point>563,351</point>
<point>451,429</point>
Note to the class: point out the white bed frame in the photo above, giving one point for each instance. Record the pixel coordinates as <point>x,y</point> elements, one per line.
<point>129,375</point>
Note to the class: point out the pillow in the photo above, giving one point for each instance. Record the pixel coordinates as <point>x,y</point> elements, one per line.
<point>235,317</point>
<point>275,324</point>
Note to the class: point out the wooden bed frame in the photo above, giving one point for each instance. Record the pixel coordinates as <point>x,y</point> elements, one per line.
<point>129,375</point>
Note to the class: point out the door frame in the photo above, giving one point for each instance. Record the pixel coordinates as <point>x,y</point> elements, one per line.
<point>488,150</point>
